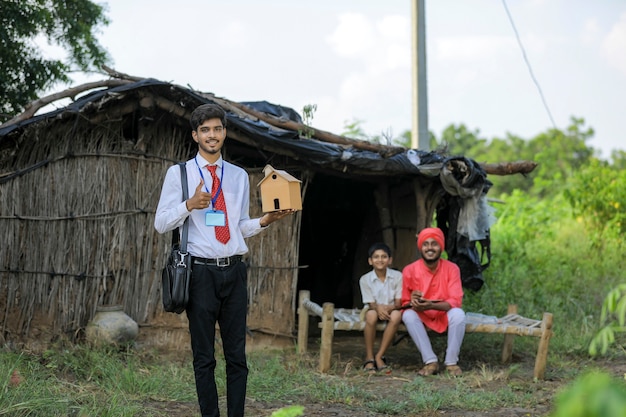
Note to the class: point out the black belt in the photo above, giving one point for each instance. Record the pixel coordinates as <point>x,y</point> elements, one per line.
<point>228,261</point>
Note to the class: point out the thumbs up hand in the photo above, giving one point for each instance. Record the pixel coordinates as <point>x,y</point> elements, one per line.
<point>200,199</point>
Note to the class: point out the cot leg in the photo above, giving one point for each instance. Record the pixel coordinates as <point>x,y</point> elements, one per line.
<point>542,351</point>
<point>507,346</point>
<point>303,322</point>
<point>328,329</point>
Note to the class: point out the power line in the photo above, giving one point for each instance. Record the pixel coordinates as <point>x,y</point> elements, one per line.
<point>530,70</point>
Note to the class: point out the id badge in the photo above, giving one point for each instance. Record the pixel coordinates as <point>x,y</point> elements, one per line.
<point>215,218</point>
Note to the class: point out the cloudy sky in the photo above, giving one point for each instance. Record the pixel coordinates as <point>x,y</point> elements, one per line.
<point>352,58</point>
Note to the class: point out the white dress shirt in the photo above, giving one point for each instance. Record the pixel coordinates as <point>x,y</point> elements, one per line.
<point>375,290</point>
<point>172,210</point>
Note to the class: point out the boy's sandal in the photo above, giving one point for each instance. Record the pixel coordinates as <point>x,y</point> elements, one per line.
<point>429,369</point>
<point>454,370</point>
<point>370,368</point>
<point>385,368</point>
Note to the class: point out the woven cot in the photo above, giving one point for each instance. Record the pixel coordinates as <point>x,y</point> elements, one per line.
<point>510,325</point>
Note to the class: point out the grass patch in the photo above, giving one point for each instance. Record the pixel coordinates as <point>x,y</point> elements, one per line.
<point>543,261</point>
<point>78,380</point>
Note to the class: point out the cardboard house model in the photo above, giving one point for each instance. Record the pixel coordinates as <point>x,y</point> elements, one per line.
<point>279,190</point>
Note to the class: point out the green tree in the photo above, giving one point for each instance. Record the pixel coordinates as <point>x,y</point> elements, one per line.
<point>460,141</point>
<point>354,129</point>
<point>618,159</point>
<point>560,154</point>
<point>404,139</point>
<point>510,149</point>
<point>26,72</point>
<point>597,194</point>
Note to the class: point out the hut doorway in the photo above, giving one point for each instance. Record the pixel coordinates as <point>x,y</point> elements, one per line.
<point>338,216</point>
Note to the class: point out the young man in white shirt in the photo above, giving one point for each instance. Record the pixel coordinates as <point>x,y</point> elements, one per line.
<point>216,243</point>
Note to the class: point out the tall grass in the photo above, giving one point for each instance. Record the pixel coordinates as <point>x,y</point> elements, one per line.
<point>544,259</point>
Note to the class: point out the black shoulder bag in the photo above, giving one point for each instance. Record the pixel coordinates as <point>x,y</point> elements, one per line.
<point>177,272</point>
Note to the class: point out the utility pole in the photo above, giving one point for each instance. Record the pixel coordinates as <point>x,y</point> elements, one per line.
<point>419,132</point>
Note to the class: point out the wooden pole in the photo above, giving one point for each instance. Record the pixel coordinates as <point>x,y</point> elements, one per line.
<point>326,349</point>
<point>303,322</point>
<point>542,351</point>
<point>507,346</point>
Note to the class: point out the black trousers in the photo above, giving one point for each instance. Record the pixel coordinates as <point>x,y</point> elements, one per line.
<point>219,294</point>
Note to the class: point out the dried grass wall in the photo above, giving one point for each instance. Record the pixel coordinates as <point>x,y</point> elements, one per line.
<point>77,229</point>
<point>77,206</point>
<point>273,271</point>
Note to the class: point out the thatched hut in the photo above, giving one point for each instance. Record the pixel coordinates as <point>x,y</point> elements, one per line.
<point>79,187</point>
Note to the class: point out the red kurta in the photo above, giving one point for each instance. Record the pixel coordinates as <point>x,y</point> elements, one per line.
<point>444,284</point>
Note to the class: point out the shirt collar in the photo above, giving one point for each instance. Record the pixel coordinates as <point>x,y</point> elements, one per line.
<point>375,278</point>
<point>203,162</point>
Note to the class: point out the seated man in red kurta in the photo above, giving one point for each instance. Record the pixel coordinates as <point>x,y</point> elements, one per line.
<point>432,287</point>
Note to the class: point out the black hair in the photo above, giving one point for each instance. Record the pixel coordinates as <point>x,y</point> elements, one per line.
<point>378,246</point>
<point>205,112</point>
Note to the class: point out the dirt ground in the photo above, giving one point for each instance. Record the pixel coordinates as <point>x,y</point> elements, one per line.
<point>479,373</point>
<point>482,370</point>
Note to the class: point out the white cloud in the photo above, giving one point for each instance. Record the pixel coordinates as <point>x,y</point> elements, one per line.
<point>395,28</point>
<point>614,45</point>
<point>374,89</point>
<point>353,36</point>
<point>382,44</point>
<point>395,34</point>
<point>234,34</point>
<point>472,48</point>
<point>591,31</point>
<point>397,56</point>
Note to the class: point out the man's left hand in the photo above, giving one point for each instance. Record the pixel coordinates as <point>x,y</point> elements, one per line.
<point>271,217</point>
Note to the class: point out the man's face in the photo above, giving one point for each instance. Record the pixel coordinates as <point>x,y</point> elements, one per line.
<point>379,260</point>
<point>431,251</point>
<point>210,137</point>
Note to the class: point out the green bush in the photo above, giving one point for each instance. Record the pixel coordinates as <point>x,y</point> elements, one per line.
<point>595,394</point>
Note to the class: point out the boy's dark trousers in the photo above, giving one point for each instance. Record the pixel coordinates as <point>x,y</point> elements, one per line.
<point>219,294</point>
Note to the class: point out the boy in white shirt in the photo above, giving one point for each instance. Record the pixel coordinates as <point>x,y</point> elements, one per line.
<point>381,289</point>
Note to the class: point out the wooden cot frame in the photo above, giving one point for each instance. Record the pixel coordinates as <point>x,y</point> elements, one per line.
<point>510,326</point>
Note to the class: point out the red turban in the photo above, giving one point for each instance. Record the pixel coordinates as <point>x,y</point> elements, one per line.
<point>428,233</point>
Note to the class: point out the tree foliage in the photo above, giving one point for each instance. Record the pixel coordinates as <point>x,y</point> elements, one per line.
<point>26,72</point>
<point>597,193</point>
<point>559,153</point>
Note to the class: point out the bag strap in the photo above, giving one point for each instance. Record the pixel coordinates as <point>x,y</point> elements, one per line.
<point>183,181</point>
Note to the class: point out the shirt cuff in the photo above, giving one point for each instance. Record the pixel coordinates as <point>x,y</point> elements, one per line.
<point>182,210</point>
